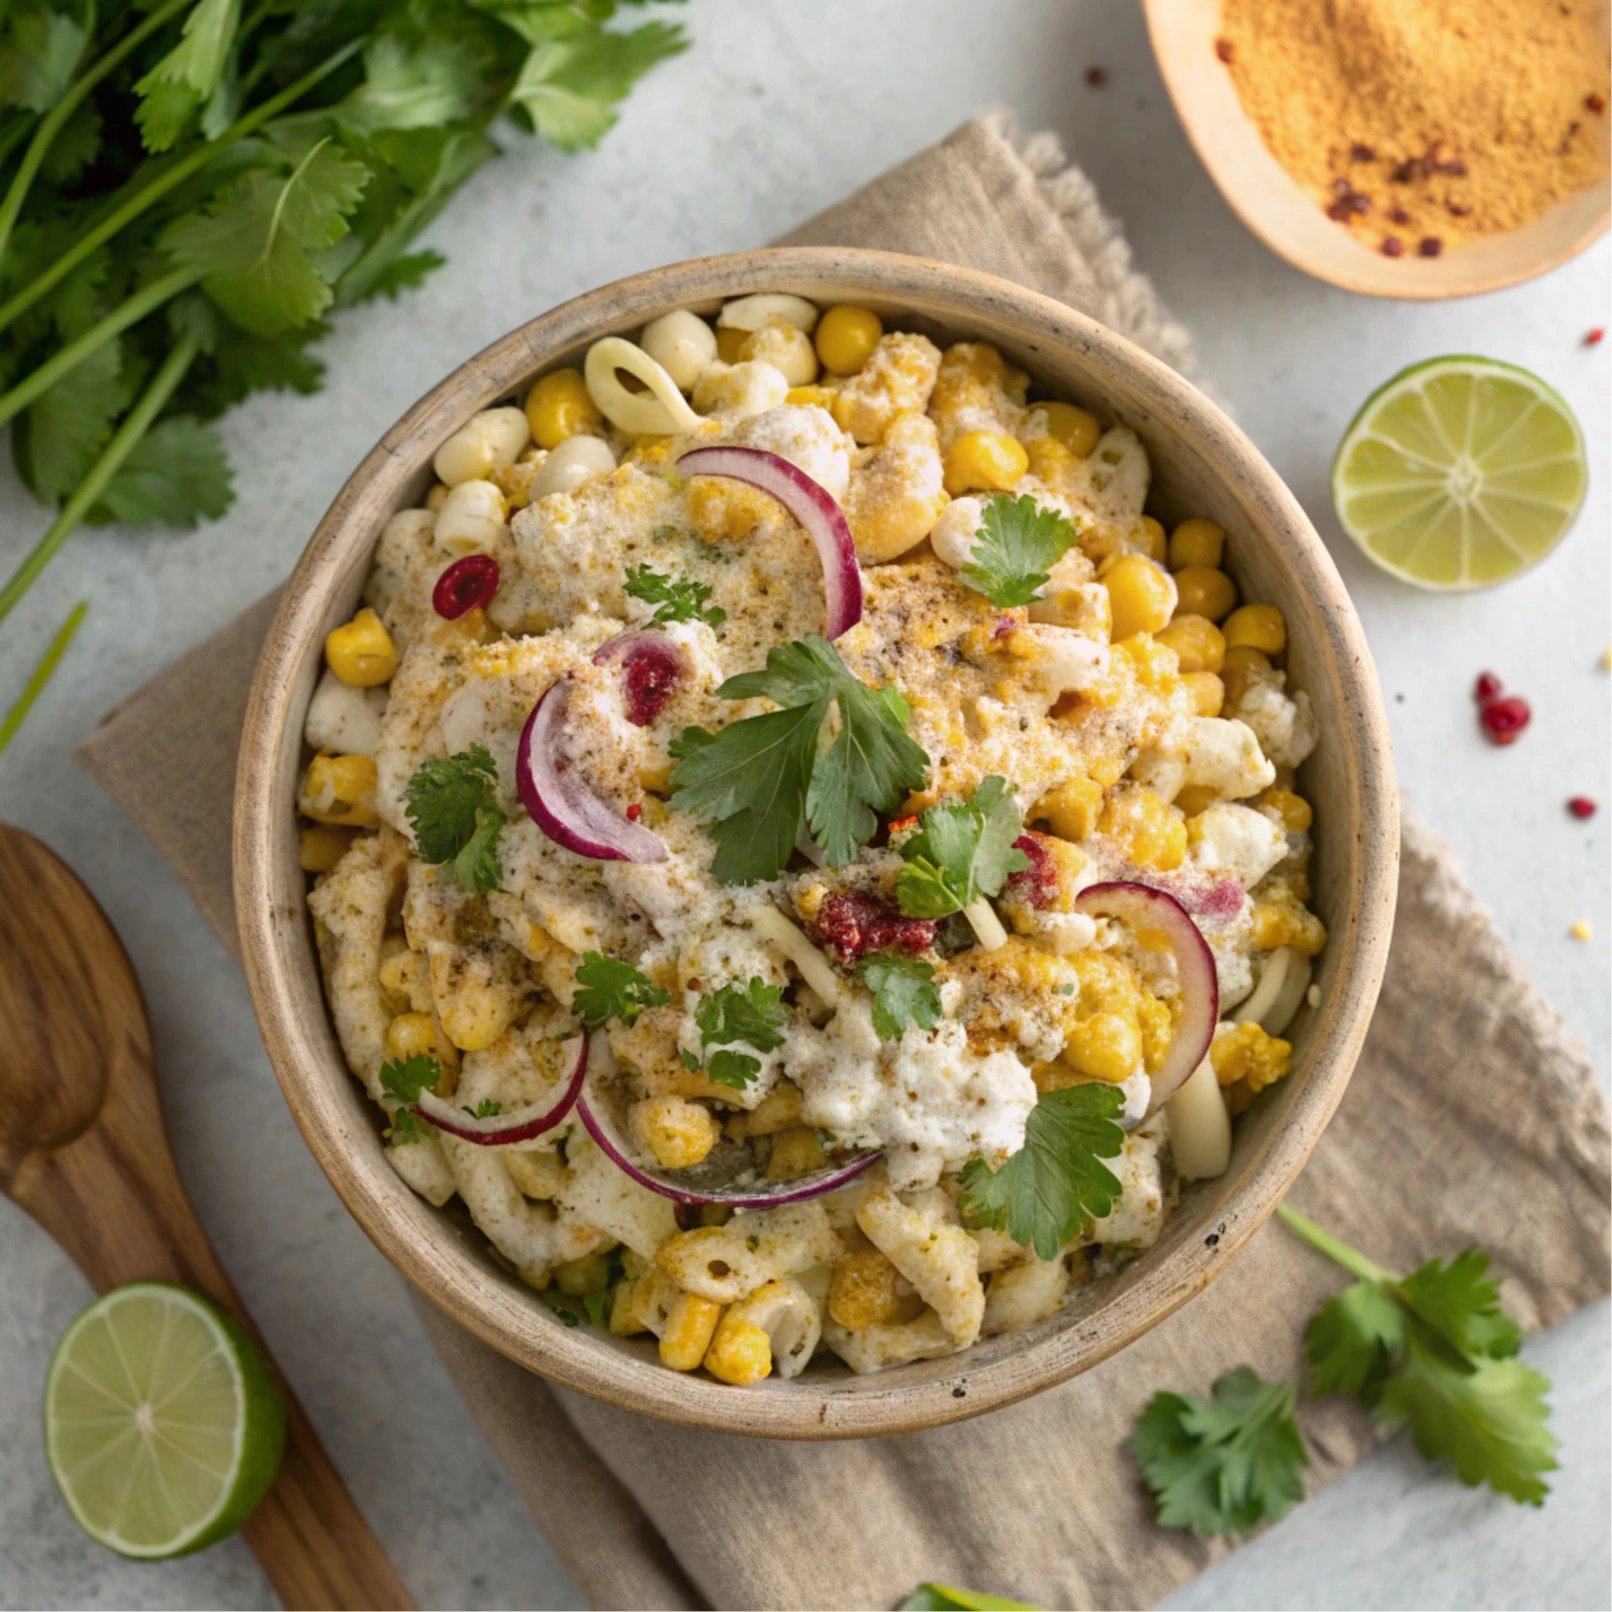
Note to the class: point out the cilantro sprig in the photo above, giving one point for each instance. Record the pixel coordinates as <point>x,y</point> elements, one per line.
<point>1434,1351</point>
<point>763,780</point>
<point>752,1013</point>
<point>1225,1464</point>
<point>1015,549</point>
<point>1057,1181</point>
<point>961,852</point>
<point>904,992</point>
<point>610,989</point>
<point>451,804</point>
<point>402,1081</point>
<point>673,600</point>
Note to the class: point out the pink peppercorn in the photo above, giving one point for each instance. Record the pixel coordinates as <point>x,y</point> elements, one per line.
<point>1488,688</point>
<point>1581,806</point>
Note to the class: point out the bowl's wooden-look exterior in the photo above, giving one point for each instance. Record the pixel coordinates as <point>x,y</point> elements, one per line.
<point>1203,465</point>
<point>1292,223</point>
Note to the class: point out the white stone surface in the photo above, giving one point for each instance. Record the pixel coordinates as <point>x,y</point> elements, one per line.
<point>779,110</point>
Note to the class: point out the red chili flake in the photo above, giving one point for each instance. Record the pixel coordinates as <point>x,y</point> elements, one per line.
<point>1038,883</point>
<point>853,924</point>
<point>634,812</point>
<point>1488,687</point>
<point>1594,338</point>
<point>1360,153</point>
<point>1429,246</point>
<point>1097,77</point>
<point>1595,104</point>
<point>1504,720</point>
<point>468,584</point>
<point>1581,806</point>
<point>1225,50</point>
<point>1398,215</point>
<point>1392,246</point>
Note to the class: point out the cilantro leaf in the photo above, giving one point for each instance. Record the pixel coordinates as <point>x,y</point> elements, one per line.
<point>570,87</point>
<point>726,1067</point>
<point>451,805</point>
<point>675,601</point>
<point>410,85</point>
<point>38,58</point>
<point>176,89</point>
<point>406,1127</point>
<point>1351,1340</point>
<point>1225,1464</point>
<point>404,273</point>
<point>752,1013</point>
<point>903,993</point>
<point>403,1080</point>
<point>764,779</point>
<point>961,852</point>
<point>60,436</point>
<point>1015,549</point>
<point>1057,1181</point>
<point>487,1108</point>
<point>608,989</point>
<point>598,1307</point>
<point>1460,1302</point>
<point>177,474</point>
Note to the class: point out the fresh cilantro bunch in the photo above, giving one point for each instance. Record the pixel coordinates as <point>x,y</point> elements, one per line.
<point>904,992</point>
<point>752,1013</point>
<point>765,779</point>
<point>674,601</point>
<point>450,802</point>
<point>1057,1182</point>
<point>1434,1351</point>
<point>608,989</point>
<point>1015,549</point>
<point>961,853</point>
<point>1225,1464</point>
<point>193,187</point>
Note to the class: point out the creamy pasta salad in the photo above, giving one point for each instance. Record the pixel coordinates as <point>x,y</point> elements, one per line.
<point>797,850</point>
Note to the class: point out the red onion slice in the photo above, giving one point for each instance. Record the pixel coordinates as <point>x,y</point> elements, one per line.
<point>812,505</point>
<point>652,666</point>
<point>1143,907</point>
<point>720,1178</point>
<point>520,1124</point>
<point>561,804</point>
<point>468,584</point>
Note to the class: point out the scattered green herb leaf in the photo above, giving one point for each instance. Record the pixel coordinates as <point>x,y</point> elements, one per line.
<point>608,989</point>
<point>674,601</point>
<point>961,852</point>
<point>452,806</point>
<point>1015,549</point>
<point>904,992</point>
<point>404,1079</point>
<point>752,1013</point>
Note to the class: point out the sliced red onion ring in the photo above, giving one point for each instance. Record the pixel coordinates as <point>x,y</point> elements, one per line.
<point>812,505</point>
<point>561,804</point>
<point>1143,907</point>
<point>520,1124</point>
<point>725,1176</point>
<point>468,584</point>
<point>652,666</point>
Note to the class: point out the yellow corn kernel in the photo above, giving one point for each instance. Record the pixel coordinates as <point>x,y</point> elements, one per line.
<point>1294,810</point>
<point>1285,923</point>
<point>412,1033</point>
<point>1581,930</point>
<point>690,1326</point>
<point>320,848</point>
<point>536,1174</point>
<point>559,406</point>
<point>778,1111</point>
<point>1157,1025</point>
<point>1197,542</point>
<point>1199,644</point>
<point>795,1153</point>
<point>740,1353</point>
<point>864,1290</point>
<point>1050,461</point>
<point>340,790</point>
<point>1076,429</point>
<point>1235,672</point>
<point>679,1133</point>
<point>362,653</point>
<point>729,341</point>
<point>1071,810</point>
<point>1150,831</point>
<point>1107,984</point>
<point>801,396</point>
<point>1257,626</point>
<point>576,1278</point>
<point>1154,665</point>
<point>984,461</point>
<point>1193,799</point>
<point>1205,591</point>
<point>1141,595</point>
<point>1248,1053</point>
<point>1207,691</point>
<point>1107,1046</point>
<point>846,336</point>
<point>1157,544</point>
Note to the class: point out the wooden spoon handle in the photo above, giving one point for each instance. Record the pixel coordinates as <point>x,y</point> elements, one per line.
<point>116,1204</point>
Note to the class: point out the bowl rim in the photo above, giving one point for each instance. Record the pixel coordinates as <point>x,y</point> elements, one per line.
<point>419,1240</point>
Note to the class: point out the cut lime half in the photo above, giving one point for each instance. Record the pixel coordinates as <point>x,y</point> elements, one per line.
<point>163,1424</point>
<point>1460,473</point>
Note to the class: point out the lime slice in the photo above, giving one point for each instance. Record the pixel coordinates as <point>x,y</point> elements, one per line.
<point>163,1424</point>
<point>1460,473</point>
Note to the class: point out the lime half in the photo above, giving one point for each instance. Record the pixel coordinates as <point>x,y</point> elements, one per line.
<point>163,1425</point>
<point>1460,473</point>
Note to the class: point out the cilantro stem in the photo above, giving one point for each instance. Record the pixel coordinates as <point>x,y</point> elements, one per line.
<point>51,124</point>
<point>68,358</point>
<point>1339,1252</point>
<point>18,714</point>
<point>149,195</point>
<point>135,425</point>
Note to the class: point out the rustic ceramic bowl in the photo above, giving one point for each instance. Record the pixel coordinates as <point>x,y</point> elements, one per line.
<point>1291,222</point>
<point>1202,465</point>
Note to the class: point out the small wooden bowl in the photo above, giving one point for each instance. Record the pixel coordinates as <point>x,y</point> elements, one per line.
<point>1292,223</point>
<point>1202,465</point>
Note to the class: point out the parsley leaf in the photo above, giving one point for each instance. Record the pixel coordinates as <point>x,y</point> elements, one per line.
<point>38,58</point>
<point>903,993</point>
<point>1225,1464</point>
<point>487,1108</point>
<point>404,273</point>
<point>451,805</point>
<point>1435,1351</point>
<point>1057,1181</point>
<point>1015,549</point>
<point>411,85</point>
<point>405,1128</point>
<point>404,1080</point>
<point>570,87</point>
<point>177,88</point>
<point>60,436</point>
<point>608,989</point>
<point>725,1067</point>
<point>176,474</point>
<point>752,1013</point>
<point>675,601</point>
<point>764,779</point>
<point>961,852</point>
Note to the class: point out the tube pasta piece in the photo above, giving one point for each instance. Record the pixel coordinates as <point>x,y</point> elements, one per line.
<point>1021,1296</point>
<point>533,1237</point>
<point>663,412</point>
<point>924,1242</point>
<point>791,1318</point>
<point>1200,1126</point>
<point>611,1200</point>
<point>723,1263</point>
<point>539,1172</point>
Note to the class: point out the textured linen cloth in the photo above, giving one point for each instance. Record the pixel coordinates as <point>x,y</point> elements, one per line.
<point>1431,1150</point>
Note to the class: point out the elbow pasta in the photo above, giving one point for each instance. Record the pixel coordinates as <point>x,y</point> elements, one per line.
<point>1143,711</point>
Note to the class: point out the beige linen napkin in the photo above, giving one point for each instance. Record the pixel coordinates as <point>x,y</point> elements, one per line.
<point>1430,1151</point>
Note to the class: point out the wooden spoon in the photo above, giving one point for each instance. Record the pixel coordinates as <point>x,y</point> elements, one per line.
<point>84,1151</point>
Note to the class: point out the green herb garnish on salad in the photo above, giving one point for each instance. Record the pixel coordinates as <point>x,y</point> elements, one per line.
<point>452,806</point>
<point>608,989</point>
<point>961,853</point>
<point>904,992</point>
<point>1015,549</point>
<point>673,600</point>
<point>752,1013</point>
